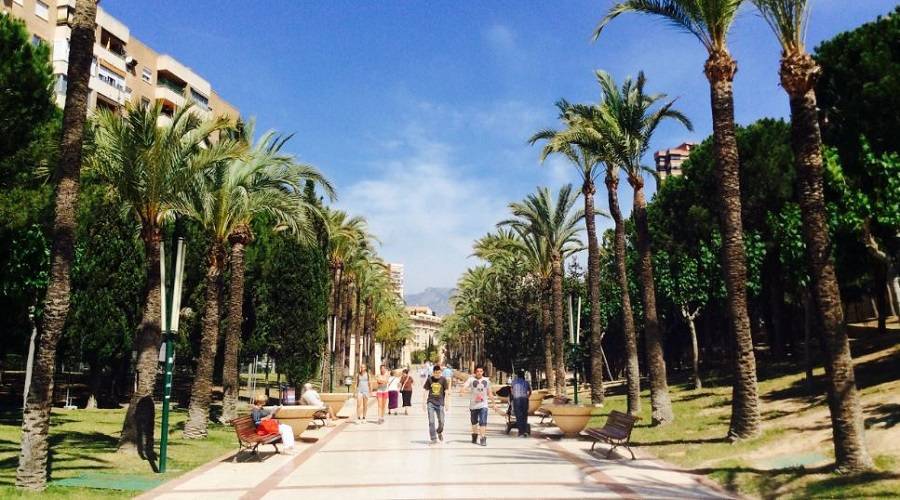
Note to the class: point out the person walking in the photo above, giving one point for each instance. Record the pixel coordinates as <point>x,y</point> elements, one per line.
<point>393,393</point>
<point>480,396</point>
<point>406,386</point>
<point>519,393</point>
<point>436,386</point>
<point>362,394</point>
<point>448,374</point>
<point>381,391</point>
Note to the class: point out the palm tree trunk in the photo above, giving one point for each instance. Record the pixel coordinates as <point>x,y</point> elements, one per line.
<point>201,389</point>
<point>558,330</point>
<point>690,317</point>
<point>632,371</point>
<point>32,470</point>
<point>230,373</point>
<point>745,419</point>
<point>798,75</point>
<point>660,403</point>
<point>547,327</point>
<point>146,344</point>
<point>594,293</point>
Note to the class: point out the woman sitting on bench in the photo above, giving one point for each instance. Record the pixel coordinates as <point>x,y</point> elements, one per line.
<point>266,424</point>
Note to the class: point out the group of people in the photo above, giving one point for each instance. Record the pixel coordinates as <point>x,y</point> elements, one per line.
<point>391,389</point>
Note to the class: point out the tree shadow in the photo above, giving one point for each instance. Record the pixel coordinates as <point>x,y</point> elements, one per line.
<point>886,415</point>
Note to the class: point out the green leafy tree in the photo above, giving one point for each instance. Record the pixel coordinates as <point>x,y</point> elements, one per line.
<point>26,86</point>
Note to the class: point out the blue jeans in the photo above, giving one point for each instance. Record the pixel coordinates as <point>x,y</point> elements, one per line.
<point>479,417</point>
<point>520,410</point>
<point>435,411</point>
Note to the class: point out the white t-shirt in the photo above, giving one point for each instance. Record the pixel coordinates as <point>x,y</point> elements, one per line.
<point>478,397</point>
<point>311,397</point>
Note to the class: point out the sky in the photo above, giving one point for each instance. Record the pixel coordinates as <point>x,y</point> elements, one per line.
<point>420,112</point>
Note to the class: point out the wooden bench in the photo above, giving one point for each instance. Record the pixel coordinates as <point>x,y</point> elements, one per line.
<point>545,413</point>
<point>616,431</point>
<point>248,439</point>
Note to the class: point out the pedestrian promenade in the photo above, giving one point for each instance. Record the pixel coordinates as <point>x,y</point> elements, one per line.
<point>396,460</point>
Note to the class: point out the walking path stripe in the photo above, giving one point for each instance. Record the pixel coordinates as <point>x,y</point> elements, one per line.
<point>276,477</point>
<point>178,481</point>
<point>591,471</point>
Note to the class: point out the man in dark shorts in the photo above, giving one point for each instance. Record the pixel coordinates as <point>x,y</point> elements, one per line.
<point>480,396</point>
<point>437,386</point>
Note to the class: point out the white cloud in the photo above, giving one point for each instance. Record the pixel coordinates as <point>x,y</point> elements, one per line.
<point>424,209</point>
<point>500,38</point>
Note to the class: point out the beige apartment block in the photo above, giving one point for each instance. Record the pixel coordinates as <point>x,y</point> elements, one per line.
<point>124,68</point>
<point>669,161</point>
<point>426,327</point>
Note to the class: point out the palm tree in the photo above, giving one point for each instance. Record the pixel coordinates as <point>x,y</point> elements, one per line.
<point>588,164</point>
<point>555,223</point>
<point>507,245</point>
<point>709,21</point>
<point>149,165</point>
<point>258,189</point>
<point>799,72</point>
<point>223,200</point>
<point>32,470</point>
<point>626,123</point>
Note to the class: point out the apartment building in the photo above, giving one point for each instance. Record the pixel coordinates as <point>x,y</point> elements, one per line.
<point>397,279</point>
<point>124,68</point>
<point>426,327</point>
<point>669,161</point>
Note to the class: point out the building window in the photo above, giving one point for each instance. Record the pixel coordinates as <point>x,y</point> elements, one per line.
<point>110,77</point>
<point>201,100</point>
<point>61,85</point>
<point>36,40</point>
<point>42,10</point>
<point>20,2</point>
<point>146,75</point>
<point>145,103</point>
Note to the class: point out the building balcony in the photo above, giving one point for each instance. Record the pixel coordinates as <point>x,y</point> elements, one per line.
<point>109,90</point>
<point>111,59</point>
<point>170,94</point>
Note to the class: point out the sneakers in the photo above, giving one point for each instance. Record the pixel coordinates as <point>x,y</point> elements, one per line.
<point>441,436</point>
<point>474,438</point>
<point>483,441</point>
<point>434,441</point>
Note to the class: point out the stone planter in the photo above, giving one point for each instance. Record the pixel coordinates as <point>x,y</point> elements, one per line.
<point>571,419</point>
<point>335,402</point>
<point>536,400</point>
<point>297,417</point>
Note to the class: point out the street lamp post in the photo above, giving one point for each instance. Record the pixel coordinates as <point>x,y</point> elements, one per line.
<point>575,341</point>
<point>169,307</point>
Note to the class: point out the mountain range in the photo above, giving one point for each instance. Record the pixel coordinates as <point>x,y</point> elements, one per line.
<point>438,299</point>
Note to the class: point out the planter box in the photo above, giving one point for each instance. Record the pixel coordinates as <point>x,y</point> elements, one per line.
<point>297,417</point>
<point>571,419</point>
<point>536,400</point>
<point>335,402</point>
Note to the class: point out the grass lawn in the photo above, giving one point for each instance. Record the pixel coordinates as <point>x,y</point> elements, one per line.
<point>793,456</point>
<point>83,444</point>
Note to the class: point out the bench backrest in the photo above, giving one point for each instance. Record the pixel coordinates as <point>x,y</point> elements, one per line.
<point>244,426</point>
<point>621,421</point>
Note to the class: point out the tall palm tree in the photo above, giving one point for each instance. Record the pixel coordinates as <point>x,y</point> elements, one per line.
<point>148,165</point>
<point>588,164</point>
<point>32,470</point>
<point>259,174</point>
<point>799,72</point>
<point>557,226</point>
<point>223,200</point>
<point>626,122</point>
<point>709,21</point>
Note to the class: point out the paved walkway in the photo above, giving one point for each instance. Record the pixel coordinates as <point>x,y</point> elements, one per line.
<point>396,460</point>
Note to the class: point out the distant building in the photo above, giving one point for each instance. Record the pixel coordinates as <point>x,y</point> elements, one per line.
<point>426,326</point>
<point>123,69</point>
<point>397,278</point>
<point>669,161</point>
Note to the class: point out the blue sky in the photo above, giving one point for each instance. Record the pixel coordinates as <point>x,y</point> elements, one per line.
<point>420,111</point>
